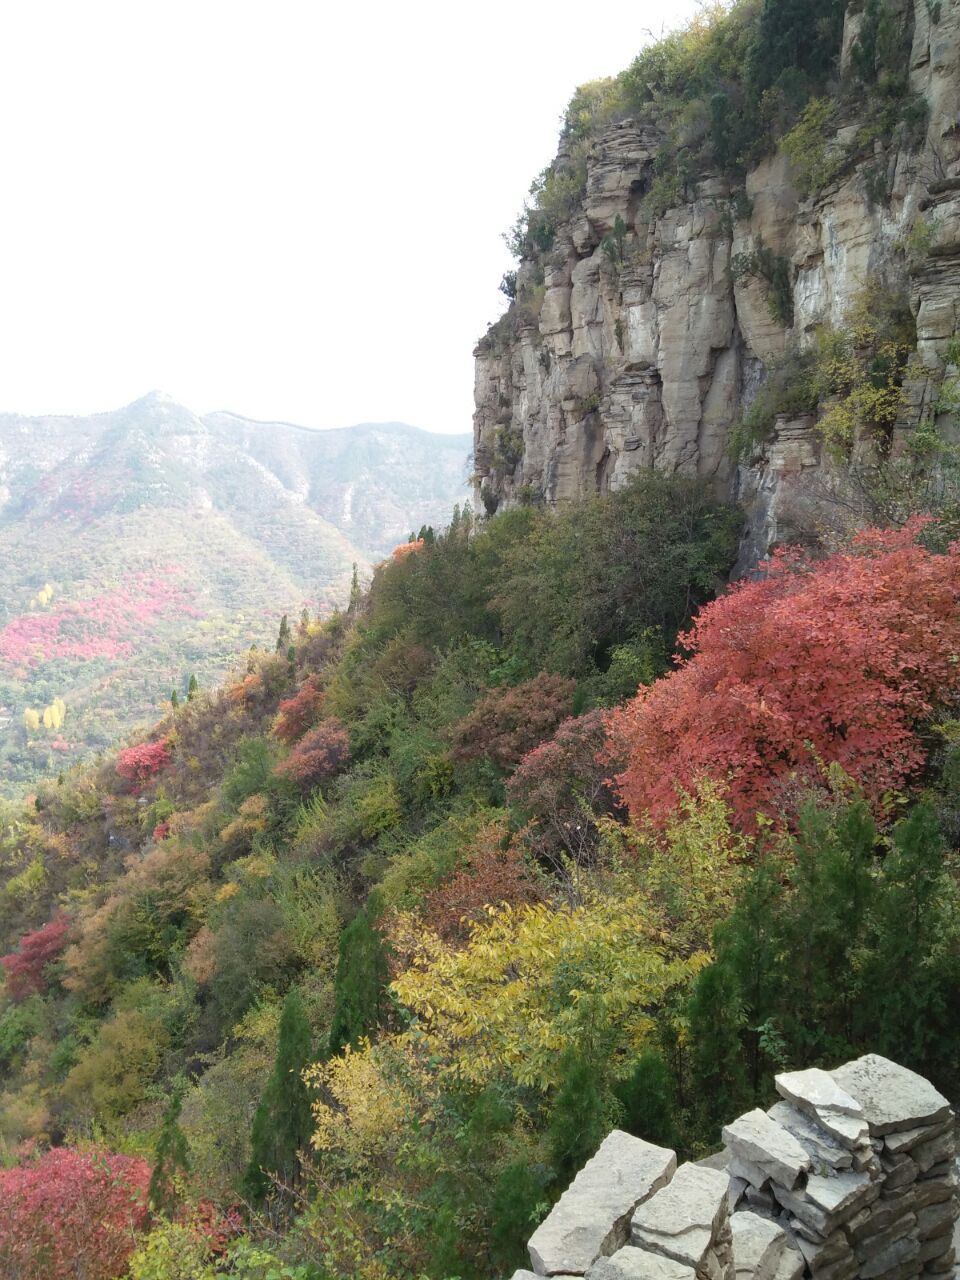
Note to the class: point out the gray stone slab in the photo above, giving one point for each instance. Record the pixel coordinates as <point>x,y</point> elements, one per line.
<point>592,1217</point>
<point>681,1220</point>
<point>758,1245</point>
<point>842,1194</point>
<point>823,1147</point>
<point>893,1098</point>
<point>791,1265</point>
<point>756,1139</point>
<point>907,1139</point>
<point>817,1094</point>
<point>629,1263</point>
<point>896,1255</point>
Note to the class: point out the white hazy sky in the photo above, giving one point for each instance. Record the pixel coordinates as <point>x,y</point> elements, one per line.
<point>286,208</point>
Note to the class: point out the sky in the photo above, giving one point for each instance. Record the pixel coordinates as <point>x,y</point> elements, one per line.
<point>293,210</point>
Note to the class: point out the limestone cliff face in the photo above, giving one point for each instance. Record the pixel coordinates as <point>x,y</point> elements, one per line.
<point>649,363</point>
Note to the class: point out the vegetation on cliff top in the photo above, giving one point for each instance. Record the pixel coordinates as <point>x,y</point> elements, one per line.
<point>741,79</point>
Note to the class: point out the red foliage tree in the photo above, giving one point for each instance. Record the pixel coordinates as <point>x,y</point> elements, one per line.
<point>847,656</point>
<point>144,761</point>
<point>25,969</point>
<point>318,754</point>
<point>507,723</point>
<point>561,786</point>
<point>295,715</point>
<point>71,1214</point>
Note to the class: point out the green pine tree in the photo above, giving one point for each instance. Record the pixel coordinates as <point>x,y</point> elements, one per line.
<point>719,1081</point>
<point>174,699</point>
<point>192,688</point>
<point>171,1157</point>
<point>282,1124</point>
<point>356,595</point>
<point>360,982</point>
<point>284,636</point>
<point>580,1118</point>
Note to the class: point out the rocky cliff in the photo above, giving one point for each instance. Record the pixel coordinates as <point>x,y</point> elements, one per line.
<point>641,335</point>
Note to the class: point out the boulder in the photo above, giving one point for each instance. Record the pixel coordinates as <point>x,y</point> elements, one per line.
<point>592,1217</point>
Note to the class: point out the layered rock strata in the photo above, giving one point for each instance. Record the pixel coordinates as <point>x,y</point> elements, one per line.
<point>649,361</point>
<point>851,1175</point>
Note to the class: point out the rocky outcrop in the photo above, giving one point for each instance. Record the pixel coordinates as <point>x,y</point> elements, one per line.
<point>647,357</point>
<point>852,1176</point>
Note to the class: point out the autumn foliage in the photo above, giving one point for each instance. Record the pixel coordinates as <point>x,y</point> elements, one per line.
<point>841,659</point>
<point>407,548</point>
<point>507,723</point>
<point>71,1214</point>
<point>144,761</point>
<point>295,715</point>
<point>562,786</point>
<point>495,874</point>
<point>318,754</point>
<point>25,969</point>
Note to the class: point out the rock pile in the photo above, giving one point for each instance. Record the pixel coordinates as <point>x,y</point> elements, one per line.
<point>851,1174</point>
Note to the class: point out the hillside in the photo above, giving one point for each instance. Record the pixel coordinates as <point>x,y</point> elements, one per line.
<point>345,968</point>
<point>170,542</point>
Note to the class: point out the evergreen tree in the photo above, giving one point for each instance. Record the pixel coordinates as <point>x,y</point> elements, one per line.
<point>192,688</point>
<point>719,1082</point>
<point>356,594</point>
<point>174,699</point>
<point>282,1124</point>
<point>646,1098</point>
<point>361,980</point>
<point>579,1119</point>
<point>304,618</point>
<point>284,636</point>
<point>171,1157</point>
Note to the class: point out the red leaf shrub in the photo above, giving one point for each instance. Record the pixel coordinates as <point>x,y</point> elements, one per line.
<point>25,968</point>
<point>144,761</point>
<point>849,655</point>
<point>161,831</point>
<point>562,785</point>
<point>507,723</point>
<point>494,874</point>
<point>318,754</point>
<point>295,715</point>
<point>71,1214</point>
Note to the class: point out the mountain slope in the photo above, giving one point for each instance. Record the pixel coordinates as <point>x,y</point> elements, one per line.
<point>145,544</point>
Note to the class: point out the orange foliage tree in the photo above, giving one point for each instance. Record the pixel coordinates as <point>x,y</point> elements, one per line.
<point>841,659</point>
<point>495,873</point>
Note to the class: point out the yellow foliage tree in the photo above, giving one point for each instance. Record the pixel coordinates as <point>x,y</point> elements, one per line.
<point>31,720</point>
<point>536,981</point>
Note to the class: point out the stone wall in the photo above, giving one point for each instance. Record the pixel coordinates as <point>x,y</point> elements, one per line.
<point>650,363</point>
<point>851,1174</point>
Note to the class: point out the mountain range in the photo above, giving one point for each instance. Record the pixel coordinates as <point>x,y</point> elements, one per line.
<point>147,544</point>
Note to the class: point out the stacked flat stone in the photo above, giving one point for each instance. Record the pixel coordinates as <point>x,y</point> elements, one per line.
<point>592,1218</point>
<point>908,1230</point>
<point>852,1174</point>
<point>832,1166</point>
